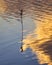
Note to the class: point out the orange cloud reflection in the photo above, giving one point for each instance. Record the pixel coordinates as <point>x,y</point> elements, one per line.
<point>42,43</point>
<point>2,6</point>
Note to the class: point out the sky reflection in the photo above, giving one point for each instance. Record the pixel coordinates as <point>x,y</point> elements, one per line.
<point>41,44</point>
<point>38,38</point>
<point>10,35</point>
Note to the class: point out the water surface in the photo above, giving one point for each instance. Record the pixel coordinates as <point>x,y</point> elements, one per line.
<point>10,35</point>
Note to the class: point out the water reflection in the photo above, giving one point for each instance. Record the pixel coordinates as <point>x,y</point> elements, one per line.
<point>42,48</point>
<point>40,40</point>
<point>3,6</point>
<point>10,35</point>
<point>41,44</point>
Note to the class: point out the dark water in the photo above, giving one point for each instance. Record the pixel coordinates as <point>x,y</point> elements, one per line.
<point>10,54</point>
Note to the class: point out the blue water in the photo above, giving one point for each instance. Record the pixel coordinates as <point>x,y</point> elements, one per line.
<point>10,35</point>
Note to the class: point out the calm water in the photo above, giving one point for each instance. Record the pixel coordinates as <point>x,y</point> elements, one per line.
<point>10,32</point>
<point>10,35</point>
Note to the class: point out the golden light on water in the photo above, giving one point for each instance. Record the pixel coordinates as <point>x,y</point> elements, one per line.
<point>2,7</point>
<point>42,42</point>
<point>44,29</point>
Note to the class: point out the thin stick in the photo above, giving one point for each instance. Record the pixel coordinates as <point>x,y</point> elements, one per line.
<point>22,29</point>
